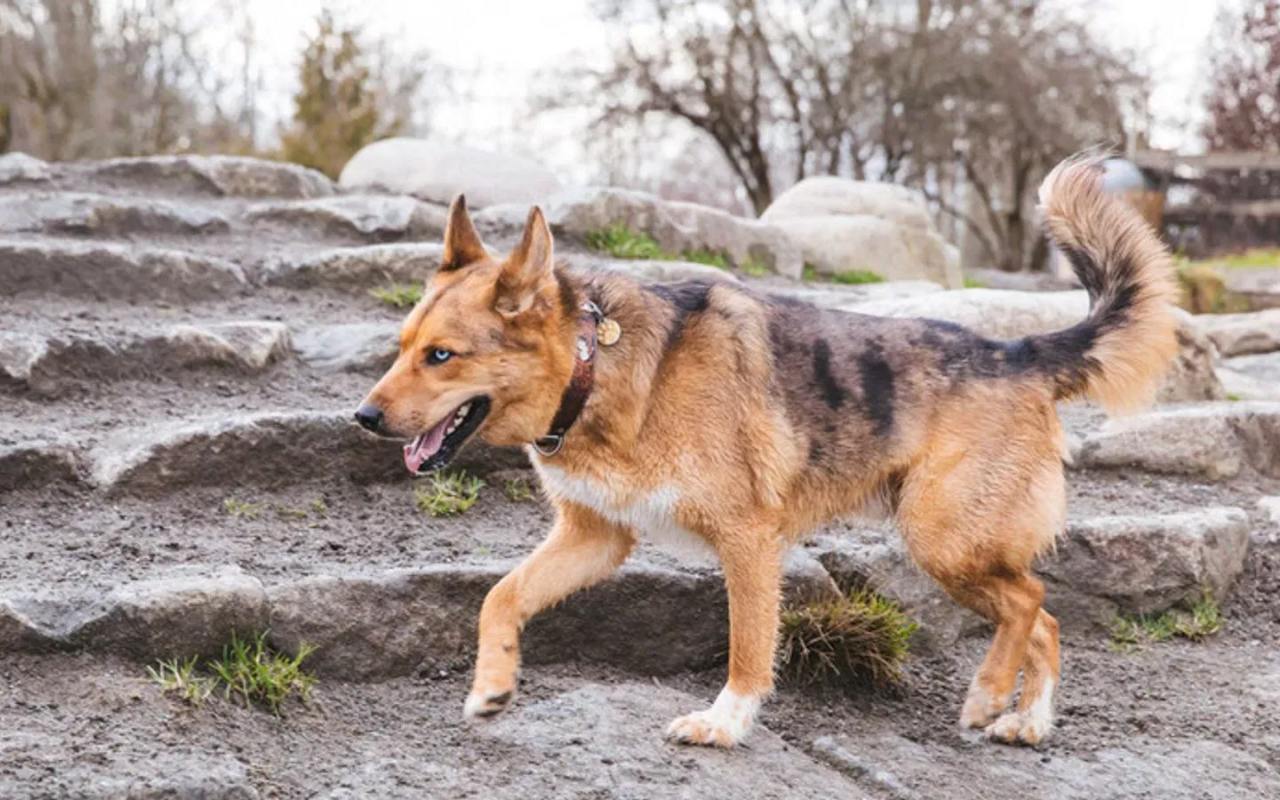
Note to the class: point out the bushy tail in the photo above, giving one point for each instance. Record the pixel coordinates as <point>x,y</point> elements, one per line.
<point>1117,355</point>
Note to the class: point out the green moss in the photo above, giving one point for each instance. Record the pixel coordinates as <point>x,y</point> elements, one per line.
<point>448,495</point>
<point>753,268</point>
<point>974,283</point>
<point>861,637</point>
<point>847,277</point>
<point>710,258</point>
<point>620,241</point>
<point>1200,620</point>
<point>400,295</point>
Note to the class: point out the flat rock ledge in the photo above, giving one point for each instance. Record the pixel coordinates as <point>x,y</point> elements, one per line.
<point>216,176</point>
<point>41,363</point>
<point>376,217</point>
<point>103,271</point>
<point>1242,334</point>
<point>1210,440</point>
<point>1103,566</point>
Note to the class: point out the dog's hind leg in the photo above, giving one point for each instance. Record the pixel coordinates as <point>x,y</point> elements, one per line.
<point>985,498</point>
<point>1033,720</point>
<point>582,549</point>
<point>752,564</point>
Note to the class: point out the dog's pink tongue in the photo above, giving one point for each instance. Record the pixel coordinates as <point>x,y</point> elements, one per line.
<point>425,446</point>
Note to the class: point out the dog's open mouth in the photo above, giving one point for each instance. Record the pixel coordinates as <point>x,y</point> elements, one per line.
<point>434,449</point>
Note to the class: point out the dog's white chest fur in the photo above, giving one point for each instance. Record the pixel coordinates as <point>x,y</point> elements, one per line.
<point>650,514</point>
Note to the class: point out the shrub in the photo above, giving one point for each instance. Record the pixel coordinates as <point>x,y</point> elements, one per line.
<point>861,637</point>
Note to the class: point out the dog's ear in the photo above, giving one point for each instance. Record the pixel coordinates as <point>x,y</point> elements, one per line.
<point>529,271</point>
<point>462,245</point>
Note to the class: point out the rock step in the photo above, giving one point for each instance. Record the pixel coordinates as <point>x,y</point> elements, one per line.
<point>106,271</point>
<point>1243,334</point>
<point>209,176</point>
<point>42,362</point>
<point>1209,440</point>
<point>1102,566</point>
<point>376,625</point>
<point>393,623</point>
<point>85,214</point>
<point>1252,377</point>
<point>253,450</point>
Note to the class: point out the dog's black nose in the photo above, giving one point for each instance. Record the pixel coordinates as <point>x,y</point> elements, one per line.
<point>370,417</point>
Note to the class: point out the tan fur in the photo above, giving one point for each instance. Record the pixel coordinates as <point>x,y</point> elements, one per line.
<point>711,420</point>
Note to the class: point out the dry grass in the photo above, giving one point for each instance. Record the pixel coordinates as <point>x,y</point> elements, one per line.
<point>860,638</point>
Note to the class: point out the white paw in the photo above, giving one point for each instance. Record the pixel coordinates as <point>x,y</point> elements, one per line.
<point>980,708</point>
<point>725,724</point>
<point>486,704</point>
<point>1031,726</point>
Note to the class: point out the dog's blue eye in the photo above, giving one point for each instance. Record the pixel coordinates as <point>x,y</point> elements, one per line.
<point>438,356</point>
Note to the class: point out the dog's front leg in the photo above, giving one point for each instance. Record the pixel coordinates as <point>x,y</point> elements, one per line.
<point>752,573</point>
<point>582,548</point>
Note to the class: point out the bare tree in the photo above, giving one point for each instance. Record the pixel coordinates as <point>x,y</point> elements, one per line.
<point>941,94</point>
<point>1244,95</point>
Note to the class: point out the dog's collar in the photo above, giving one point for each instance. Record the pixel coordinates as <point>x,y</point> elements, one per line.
<point>593,330</point>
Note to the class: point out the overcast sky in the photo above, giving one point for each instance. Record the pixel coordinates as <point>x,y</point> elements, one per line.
<point>506,43</point>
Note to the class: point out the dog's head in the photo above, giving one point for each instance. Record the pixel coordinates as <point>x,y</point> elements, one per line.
<point>487,351</point>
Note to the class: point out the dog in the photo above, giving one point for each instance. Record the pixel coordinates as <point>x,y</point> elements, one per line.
<point>742,420</point>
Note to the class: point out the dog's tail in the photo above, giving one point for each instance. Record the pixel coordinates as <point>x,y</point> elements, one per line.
<point>1119,353</point>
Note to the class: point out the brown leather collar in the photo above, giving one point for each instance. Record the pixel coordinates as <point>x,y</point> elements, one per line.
<point>579,389</point>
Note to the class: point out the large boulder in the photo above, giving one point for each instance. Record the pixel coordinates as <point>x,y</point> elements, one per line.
<point>1003,314</point>
<point>841,225</point>
<point>20,167</point>
<point>1143,564</point>
<point>438,171</point>
<point>1242,334</point>
<point>677,227</point>
<point>1209,440</point>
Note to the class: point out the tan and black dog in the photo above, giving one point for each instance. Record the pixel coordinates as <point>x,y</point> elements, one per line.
<point>745,420</point>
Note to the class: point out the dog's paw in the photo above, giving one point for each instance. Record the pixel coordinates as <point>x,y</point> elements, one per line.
<point>1020,728</point>
<point>981,709</point>
<point>481,704</point>
<point>725,724</point>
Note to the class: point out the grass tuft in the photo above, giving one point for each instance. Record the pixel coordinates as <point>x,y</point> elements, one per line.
<point>753,268</point>
<point>242,509</point>
<point>1200,620</point>
<point>180,678</point>
<point>448,495</point>
<point>398,295</point>
<point>620,241</point>
<point>517,490</point>
<point>862,637</point>
<point>848,277</point>
<point>974,283</point>
<point>251,672</point>
<point>710,258</point>
<point>248,671</point>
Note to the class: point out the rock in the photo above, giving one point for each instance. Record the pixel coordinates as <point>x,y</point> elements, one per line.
<point>18,633</point>
<point>608,738</point>
<point>20,167</point>
<point>842,225</point>
<point>174,617</point>
<point>261,450</point>
<point>847,298</point>
<point>1212,440</point>
<point>356,347</point>
<point>381,626</point>
<point>1242,334</point>
<point>439,171</point>
<point>677,227</point>
<point>33,464</point>
<point>356,268</point>
<point>99,215</point>
<point>1139,767</point>
<point>163,775</point>
<point>835,752</point>
<point>987,278</point>
<point>877,559</point>
<point>1271,507</point>
<point>42,364</point>
<point>650,271</point>
<point>376,217</point>
<point>1143,564</point>
<point>387,625</point>
<point>1002,314</point>
<point>98,271</point>
<point>1255,377</point>
<point>1256,288</point>
<point>219,176</point>
<point>830,196</point>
